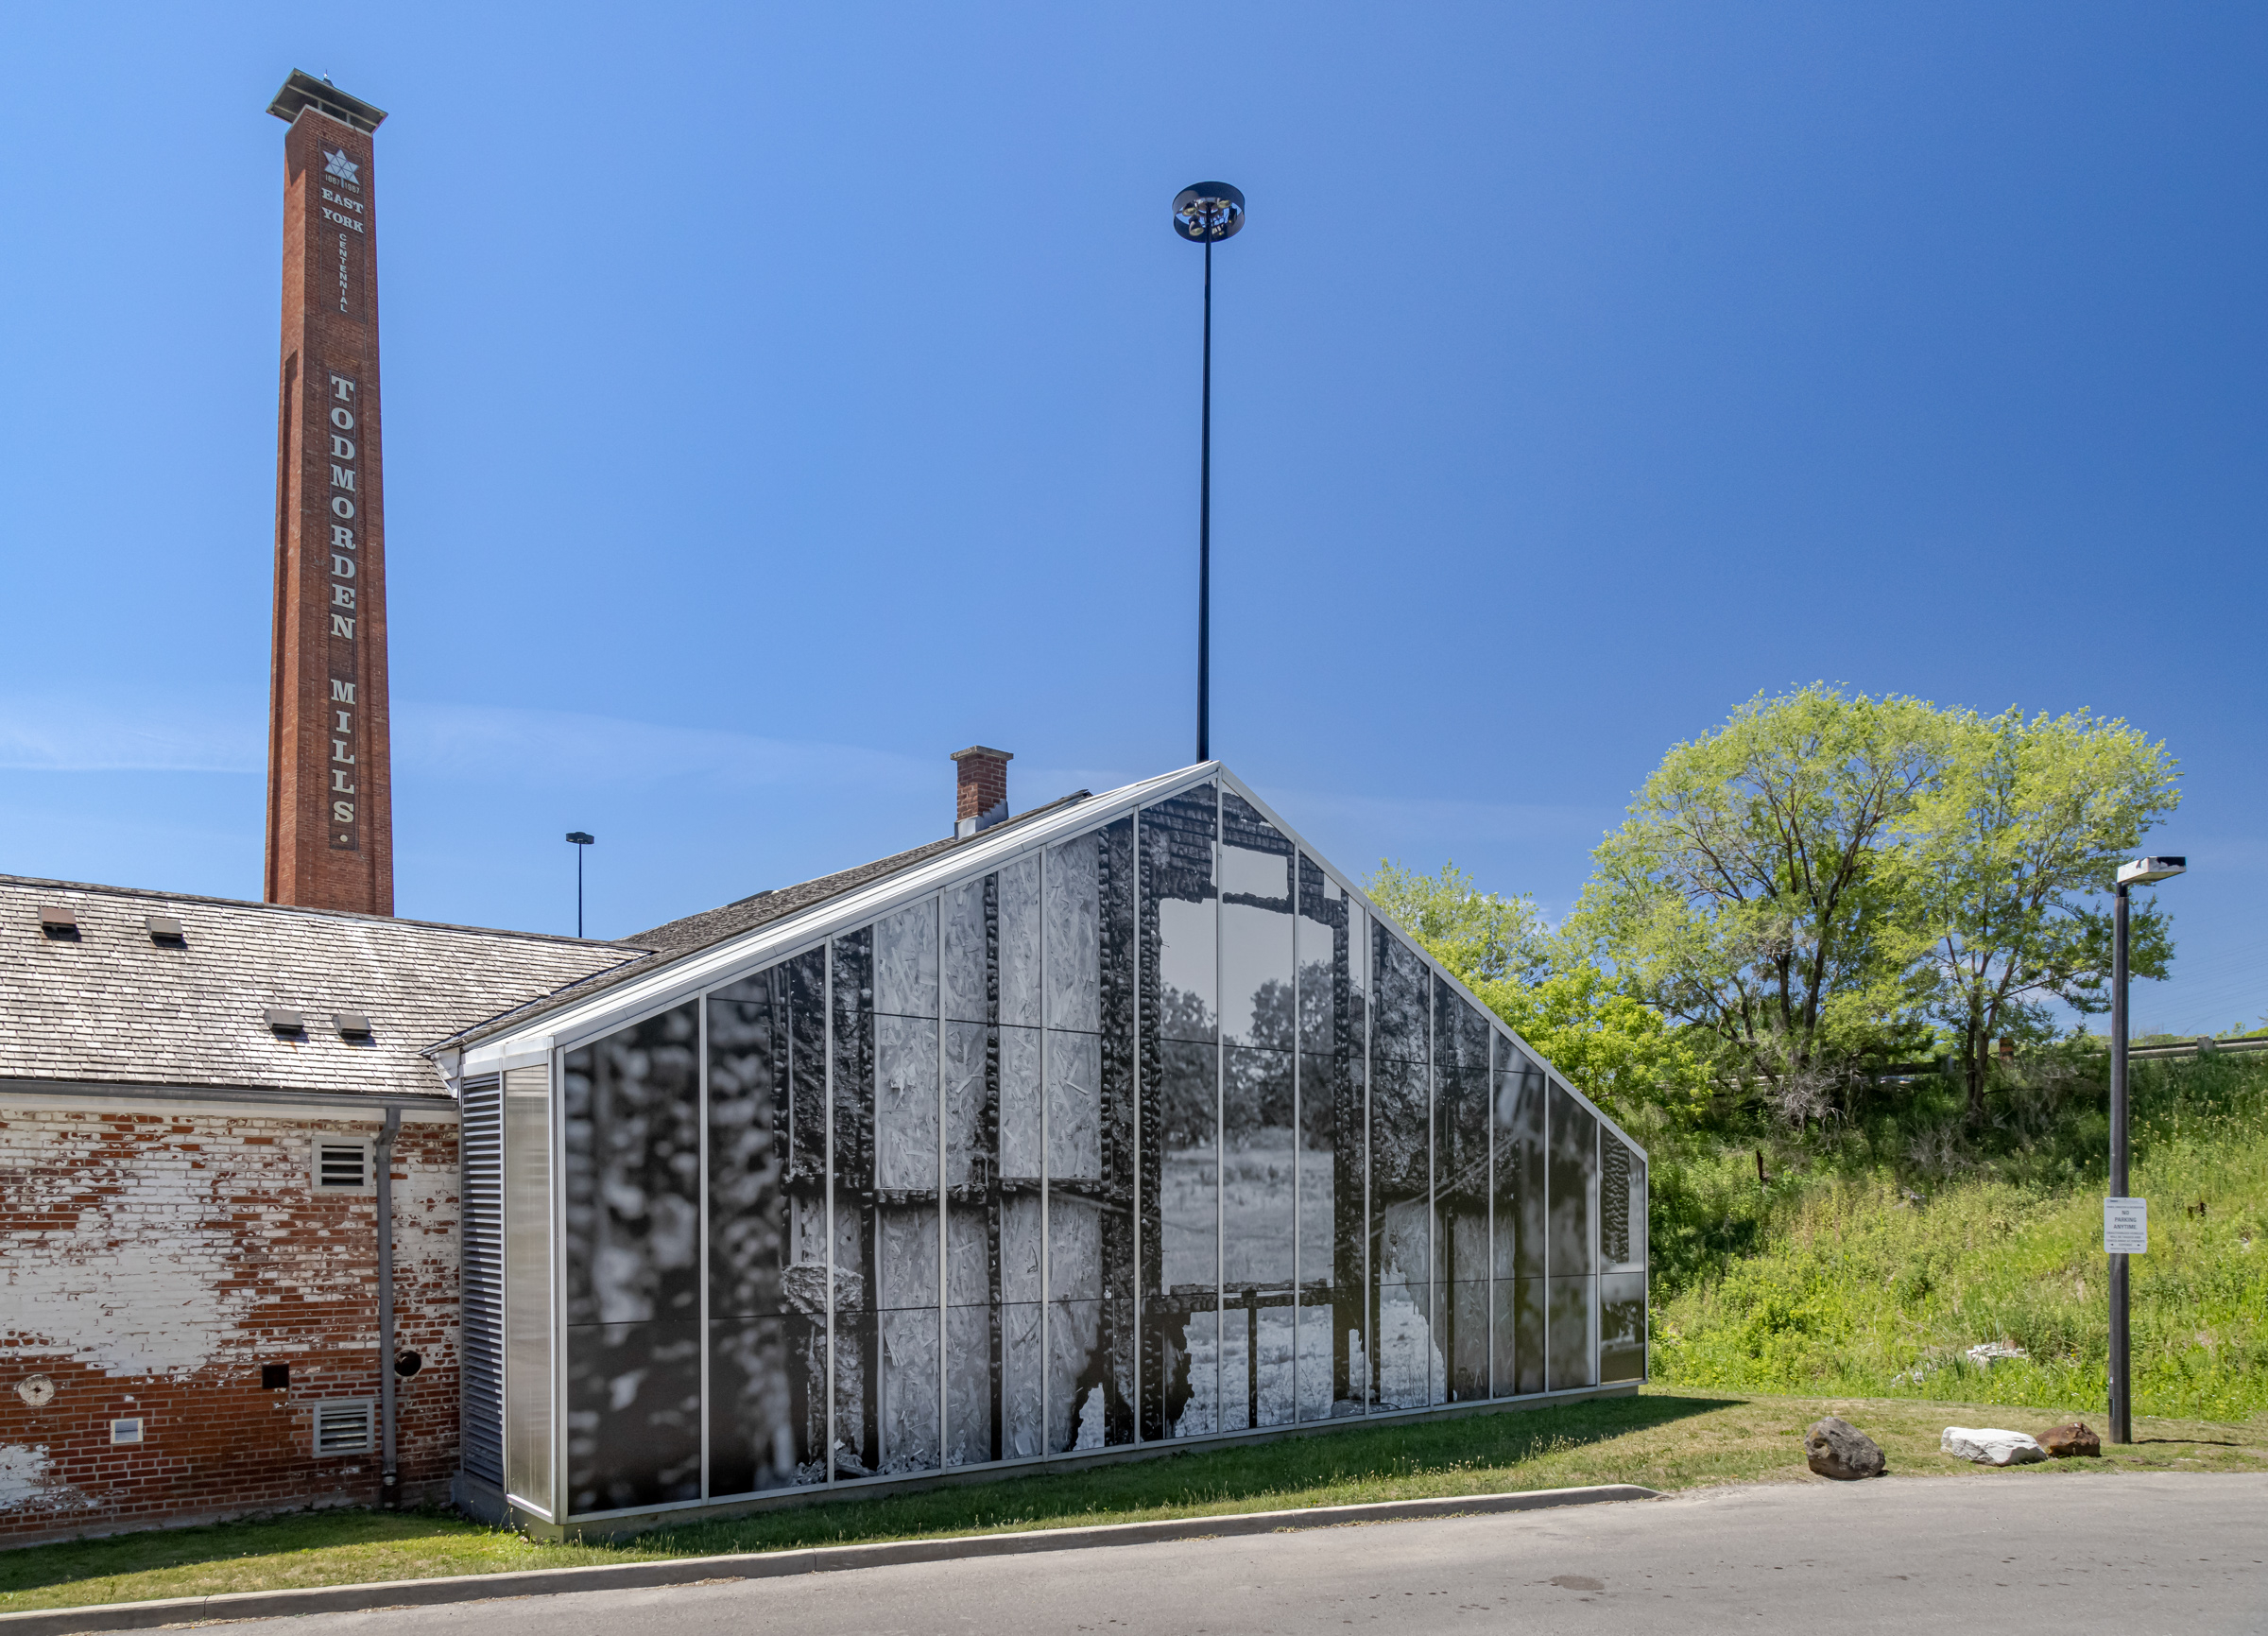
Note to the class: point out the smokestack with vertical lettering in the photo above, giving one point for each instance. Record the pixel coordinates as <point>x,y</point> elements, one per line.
<point>330,807</point>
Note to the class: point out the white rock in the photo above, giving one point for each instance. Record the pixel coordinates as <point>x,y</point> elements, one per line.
<point>1990,1446</point>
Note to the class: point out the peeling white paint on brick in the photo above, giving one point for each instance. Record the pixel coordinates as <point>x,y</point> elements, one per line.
<point>144,1305</point>
<point>154,1259</point>
<point>26,1473</point>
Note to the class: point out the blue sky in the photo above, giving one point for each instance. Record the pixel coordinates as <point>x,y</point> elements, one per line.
<point>779,399</point>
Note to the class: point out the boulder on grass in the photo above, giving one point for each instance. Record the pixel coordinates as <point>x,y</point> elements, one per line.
<point>1835,1448</point>
<point>2076,1441</point>
<point>1991,1446</point>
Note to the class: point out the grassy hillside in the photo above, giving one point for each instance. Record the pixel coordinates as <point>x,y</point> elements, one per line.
<point>1871,1267</point>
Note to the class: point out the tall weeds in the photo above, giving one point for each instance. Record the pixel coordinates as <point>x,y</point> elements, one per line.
<point>1873,1257</point>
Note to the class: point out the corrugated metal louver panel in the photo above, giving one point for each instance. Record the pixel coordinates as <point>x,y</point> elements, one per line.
<point>480,1137</point>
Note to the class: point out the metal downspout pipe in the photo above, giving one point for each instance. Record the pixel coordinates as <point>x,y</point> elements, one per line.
<point>389,1481</point>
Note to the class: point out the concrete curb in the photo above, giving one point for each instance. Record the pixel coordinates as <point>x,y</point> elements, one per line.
<point>768,1564</point>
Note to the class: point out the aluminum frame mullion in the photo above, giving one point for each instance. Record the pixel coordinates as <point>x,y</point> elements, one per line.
<point>1047,1246</point>
<point>1436,1253</point>
<point>701,1223</point>
<point>944,1226</point>
<point>1369,1296</point>
<point>1134,1193</point>
<point>554,1141</point>
<point>1299,1139</point>
<point>1598,1248</point>
<point>1496,1045</point>
<point>827,1221</point>
<point>1220,1146</point>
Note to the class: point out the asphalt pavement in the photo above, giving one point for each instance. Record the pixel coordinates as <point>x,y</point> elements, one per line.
<point>2127,1553</point>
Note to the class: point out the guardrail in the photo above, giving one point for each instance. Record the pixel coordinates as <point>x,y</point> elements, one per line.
<point>2198,1046</point>
<point>2192,1048</point>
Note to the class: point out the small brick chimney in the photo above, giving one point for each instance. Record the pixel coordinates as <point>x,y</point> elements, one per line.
<point>984,788</point>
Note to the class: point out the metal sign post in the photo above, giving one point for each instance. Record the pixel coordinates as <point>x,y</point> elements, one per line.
<point>2134,1220</point>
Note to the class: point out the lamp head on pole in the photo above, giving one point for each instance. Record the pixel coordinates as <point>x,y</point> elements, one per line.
<point>2148,871</point>
<point>580,838</point>
<point>1208,211</point>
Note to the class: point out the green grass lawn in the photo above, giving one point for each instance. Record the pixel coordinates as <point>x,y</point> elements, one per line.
<point>1864,1286</point>
<point>1663,1439</point>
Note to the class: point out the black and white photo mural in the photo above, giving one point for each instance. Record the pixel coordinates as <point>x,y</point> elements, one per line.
<point>1143,1132</point>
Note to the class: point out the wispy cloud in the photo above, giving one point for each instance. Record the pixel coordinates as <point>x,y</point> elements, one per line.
<point>1392,818</point>
<point>48,733</point>
<point>549,747</point>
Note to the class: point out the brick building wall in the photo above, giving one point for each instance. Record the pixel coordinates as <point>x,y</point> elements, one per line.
<point>155,1257</point>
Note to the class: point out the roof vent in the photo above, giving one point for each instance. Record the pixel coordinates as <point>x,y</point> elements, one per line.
<point>351,1025</point>
<point>59,921</point>
<point>164,929</point>
<point>283,1020</point>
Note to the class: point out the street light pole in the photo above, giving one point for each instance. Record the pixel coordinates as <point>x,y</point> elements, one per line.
<point>2121,1390</point>
<point>1206,211</point>
<point>2141,871</point>
<point>579,840</point>
<point>1205,533</point>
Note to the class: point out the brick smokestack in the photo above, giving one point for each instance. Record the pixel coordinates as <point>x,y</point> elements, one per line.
<point>984,788</point>
<point>329,796</point>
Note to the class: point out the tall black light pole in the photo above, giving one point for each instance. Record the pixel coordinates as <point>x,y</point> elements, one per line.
<point>1205,212</point>
<point>580,839</point>
<point>2140,873</point>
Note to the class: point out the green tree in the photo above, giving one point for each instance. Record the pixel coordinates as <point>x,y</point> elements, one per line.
<point>1480,935</point>
<point>1618,1051</point>
<point>1744,895</point>
<point>2003,866</point>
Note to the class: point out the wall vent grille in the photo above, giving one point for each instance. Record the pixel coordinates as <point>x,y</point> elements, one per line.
<point>345,1426</point>
<point>342,1164</point>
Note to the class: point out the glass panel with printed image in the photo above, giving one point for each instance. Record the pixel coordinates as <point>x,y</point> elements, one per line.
<point>1260,1139</point>
<point>887,1138</point>
<point>1518,1112</point>
<point>632,1177</point>
<point>1461,1178</point>
<point>1575,1172</point>
<point>1408,1361</point>
<point>1089,896</point>
<point>1178,1043</point>
<point>768,1329</point>
<point>1330,941</point>
<point>1622,1326</point>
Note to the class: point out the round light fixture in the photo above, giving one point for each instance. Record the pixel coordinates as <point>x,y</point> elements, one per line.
<point>1208,211</point>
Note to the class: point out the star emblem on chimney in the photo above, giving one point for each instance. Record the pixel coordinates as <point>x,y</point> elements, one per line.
<point>338,165</point>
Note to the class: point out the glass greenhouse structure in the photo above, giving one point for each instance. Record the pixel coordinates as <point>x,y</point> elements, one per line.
<point>1126,1123</point>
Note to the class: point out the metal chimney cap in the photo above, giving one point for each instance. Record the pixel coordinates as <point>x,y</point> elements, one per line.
<point>304,90</point>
